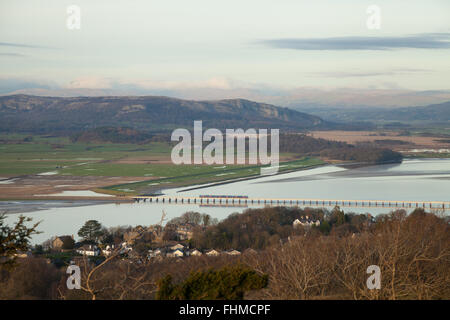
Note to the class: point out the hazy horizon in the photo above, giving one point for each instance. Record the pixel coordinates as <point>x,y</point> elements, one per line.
<point>286,54</point>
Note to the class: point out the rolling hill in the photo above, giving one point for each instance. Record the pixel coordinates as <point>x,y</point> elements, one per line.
<point>432,114</point>
<point>35,114</point>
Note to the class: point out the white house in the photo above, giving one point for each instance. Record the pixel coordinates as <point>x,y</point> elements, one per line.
<point>175,254</point>
<point>154,253</point>
<point>184,232</point>
<point>195,252</point>
<point>233,252</point>
<point>212,252</point>
<point>108,250</point>
<point>177,247</point>
<point>89,250</point>
<point>125,248</point>
<point>305,222</point>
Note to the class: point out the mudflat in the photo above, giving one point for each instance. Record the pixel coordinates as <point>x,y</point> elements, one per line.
<point>46,187</point>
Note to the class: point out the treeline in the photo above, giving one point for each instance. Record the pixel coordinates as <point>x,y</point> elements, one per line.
<point>335,150</point>
<point>297,143</point>
<point>363,154</point>
<point>304,144</point>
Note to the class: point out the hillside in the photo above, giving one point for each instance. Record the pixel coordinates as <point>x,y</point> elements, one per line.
<point>33,114</point>
<point>436,113</point>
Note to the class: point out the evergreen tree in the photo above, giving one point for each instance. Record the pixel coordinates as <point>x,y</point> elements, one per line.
<point>91,231</point>
<point>14,239</point>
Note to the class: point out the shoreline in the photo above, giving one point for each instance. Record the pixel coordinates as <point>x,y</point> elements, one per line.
<point>212,184</point>
<point>129,198</point>
<point>338,164</point>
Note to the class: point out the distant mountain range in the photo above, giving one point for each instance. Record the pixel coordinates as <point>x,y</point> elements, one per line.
<point>70,115</point>
<point>435,113</point>
<point>35,114</point>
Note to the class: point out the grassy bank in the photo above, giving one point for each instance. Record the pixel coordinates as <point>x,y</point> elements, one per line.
<point>191,174</point>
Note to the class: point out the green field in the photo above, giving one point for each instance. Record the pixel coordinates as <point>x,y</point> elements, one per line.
<point>60,156</point>
<point>428,155</point>
<point>185,175</point>
<point>440,131</point>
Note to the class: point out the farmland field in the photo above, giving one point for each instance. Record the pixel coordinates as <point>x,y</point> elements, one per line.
<point>47,165</point>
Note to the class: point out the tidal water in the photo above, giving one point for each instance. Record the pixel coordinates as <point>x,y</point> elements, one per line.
<point>412,180</point>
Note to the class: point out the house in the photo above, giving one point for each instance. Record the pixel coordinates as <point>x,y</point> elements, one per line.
<point>184,232</point>
<point>233,252</point>
<point>108,250</point>
<point>154,253</point>
<point>305,222</point>
<point>212,252</point>
<point>175,254</point>
<point>195,253</point>
<point>124,248</point>
<point>89,250</point>
<point>296,223</point>
<point>177,247</point>
<point>59,242</point>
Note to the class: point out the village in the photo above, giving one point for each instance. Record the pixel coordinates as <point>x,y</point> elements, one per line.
<point>154,237</point>
<point>140,244</point>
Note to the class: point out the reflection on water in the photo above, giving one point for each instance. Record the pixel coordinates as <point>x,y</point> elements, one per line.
<point>415,180</point>
<point>421,180</point>
<point>78,193</point>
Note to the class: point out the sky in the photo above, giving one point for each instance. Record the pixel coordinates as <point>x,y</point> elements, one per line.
<point>280,51</point>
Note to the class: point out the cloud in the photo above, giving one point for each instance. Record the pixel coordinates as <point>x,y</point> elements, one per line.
<point>8,85</point>
<point>90,83</point>
<point>394,72</point>
<point>22,45</point>
<point>11,54</point>
<point>211,83</point>
<point>418,41</point>
<point>149,86</point>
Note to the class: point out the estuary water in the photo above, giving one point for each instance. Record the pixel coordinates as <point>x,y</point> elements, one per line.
<point>412,180</point>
